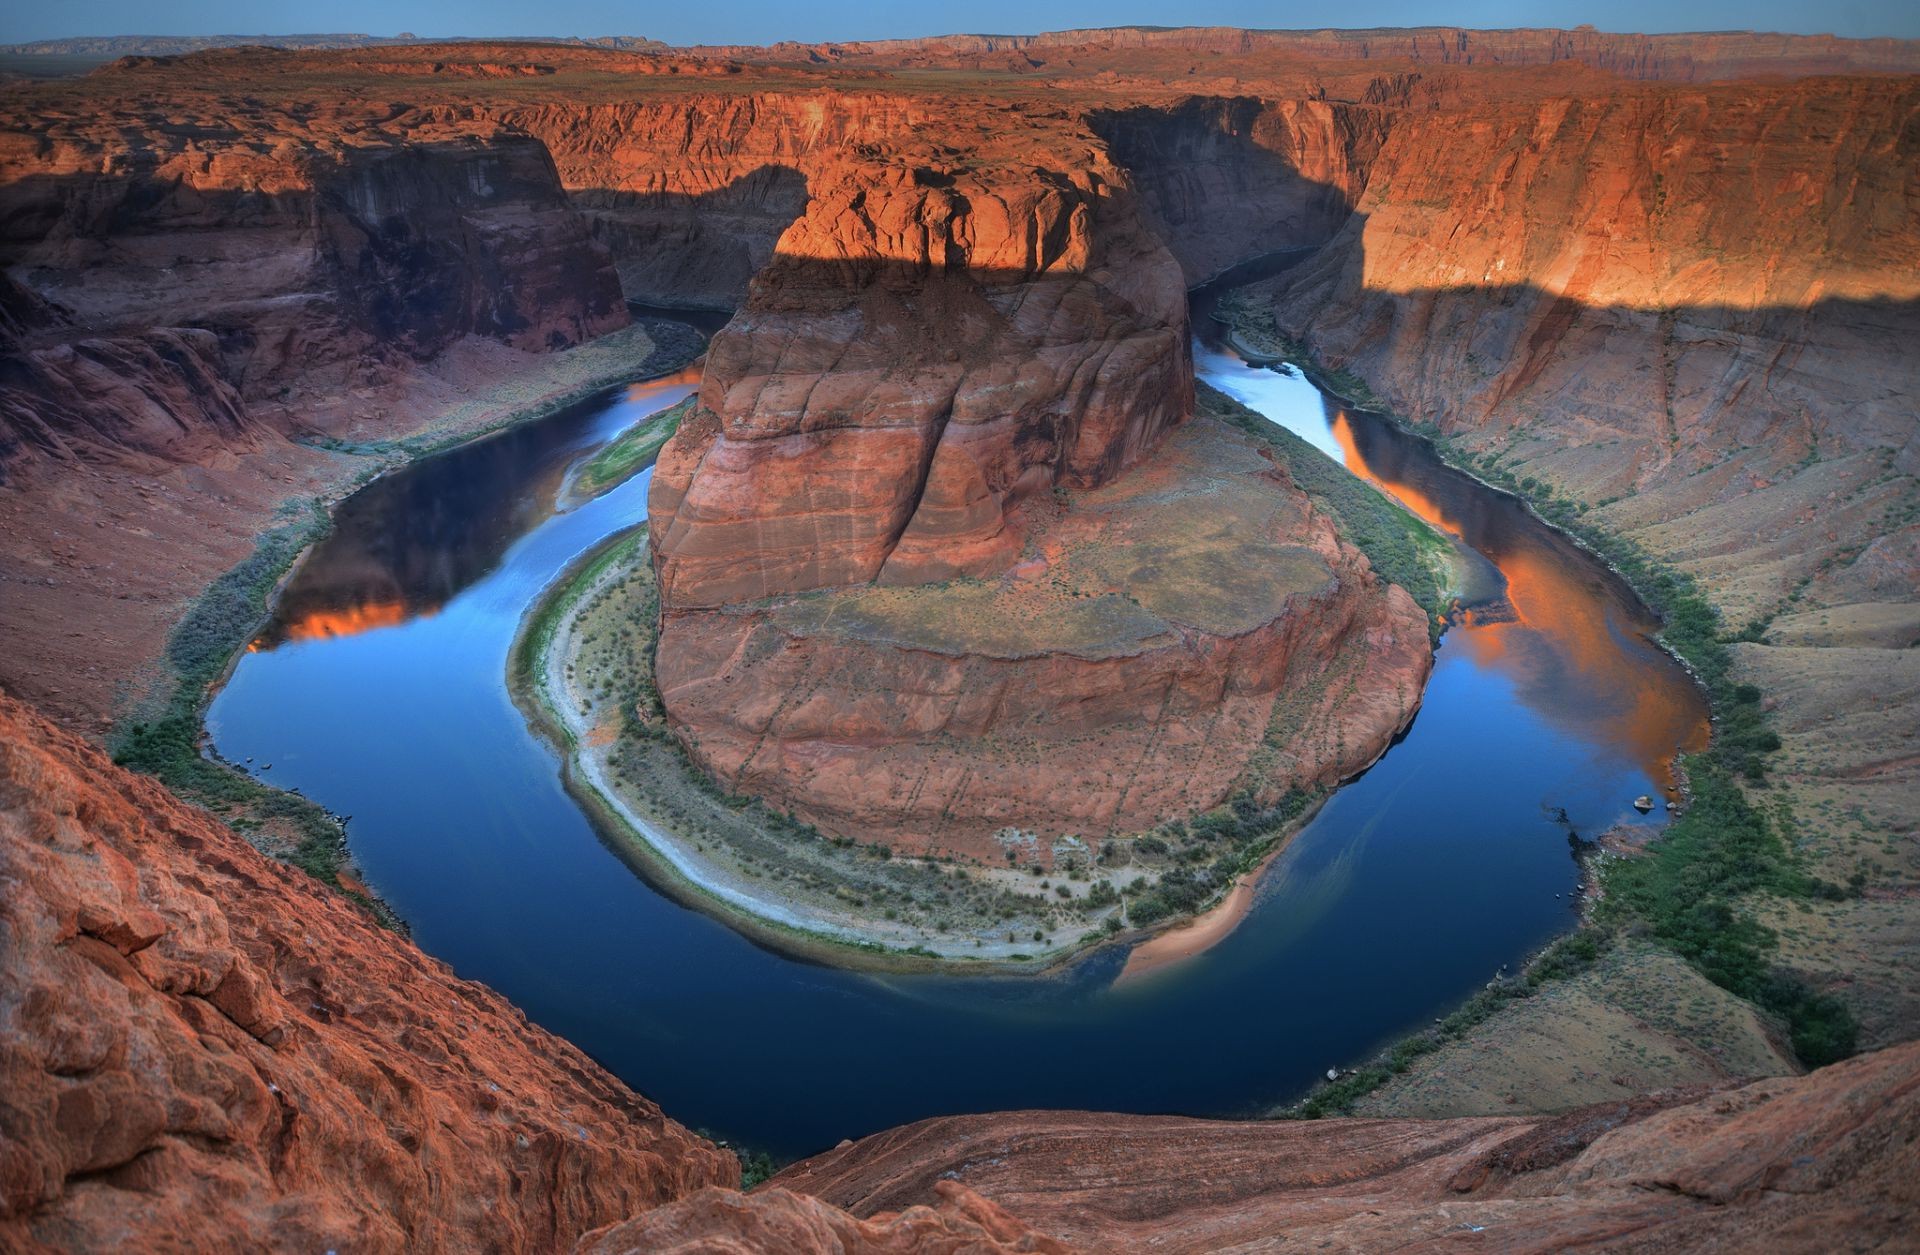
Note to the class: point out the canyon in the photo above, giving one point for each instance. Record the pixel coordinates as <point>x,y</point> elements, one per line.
<point>1667,281</point>
<point>201,1039</point>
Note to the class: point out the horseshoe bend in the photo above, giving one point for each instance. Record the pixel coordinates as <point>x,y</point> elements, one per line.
<point>975,617</point>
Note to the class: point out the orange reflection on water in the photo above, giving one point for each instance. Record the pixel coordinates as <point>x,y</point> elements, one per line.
<point>318,625</point>
<point>1570,658</point>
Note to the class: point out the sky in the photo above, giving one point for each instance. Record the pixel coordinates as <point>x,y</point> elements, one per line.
<point>765,21</point>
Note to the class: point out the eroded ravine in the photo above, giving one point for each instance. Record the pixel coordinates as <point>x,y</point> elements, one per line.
<point>1416,882</point>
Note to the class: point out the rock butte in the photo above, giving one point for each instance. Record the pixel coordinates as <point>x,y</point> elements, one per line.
<point>1674,290</point>
<point>1128,668</point>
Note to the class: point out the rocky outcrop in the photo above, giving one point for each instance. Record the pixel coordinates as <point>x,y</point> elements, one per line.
<point>1155,640</point>
<point>66,395</point>
<point>955,1220</point>
<point>197,1040</point>
<point>1782,1165</point>
<point>929,345</point>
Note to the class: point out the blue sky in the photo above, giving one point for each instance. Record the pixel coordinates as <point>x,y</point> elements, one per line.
<point>763,21</point>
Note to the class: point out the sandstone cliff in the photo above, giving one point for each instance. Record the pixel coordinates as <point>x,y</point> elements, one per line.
<point>1194,629</point>
<point>198,1041</point>
<point>160,394</point>
<point>928,346</point>
<point>1642,272</point>
<point>292,245</point>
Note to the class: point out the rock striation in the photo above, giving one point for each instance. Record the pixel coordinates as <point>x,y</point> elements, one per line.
<point>1782,1164</point>
<point>1194,629</point>
<point>926,348</point>
<point>197,1040</point>
<point>262,251</point>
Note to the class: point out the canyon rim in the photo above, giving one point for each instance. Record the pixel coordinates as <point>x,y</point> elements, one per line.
<point>1057,539</point>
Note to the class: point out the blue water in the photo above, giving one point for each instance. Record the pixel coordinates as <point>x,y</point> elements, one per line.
<point>1404,895</point>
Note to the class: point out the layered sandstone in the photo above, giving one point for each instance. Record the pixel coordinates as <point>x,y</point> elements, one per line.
<point>300,242</point>
<point>1680,274</point>
<point>1155,640</point>
<point>160,394</point>
<point>953,1220</point>
<point>198,1041</point>
<point>931,344</point>
<point>1785,1165</point>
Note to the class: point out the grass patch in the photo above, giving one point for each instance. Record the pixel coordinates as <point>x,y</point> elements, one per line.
<point>631,452</point>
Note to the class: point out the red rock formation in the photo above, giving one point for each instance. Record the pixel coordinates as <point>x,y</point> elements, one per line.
<point>68,395</point>
<point>297,246</point>
<point>1788,1164</point>
<point>1125,671</point>
<point>1685,57</point>
<point>929,345</point>
<point>1655,281</point>
<point>780,1220</point>
<point>195,1040</point>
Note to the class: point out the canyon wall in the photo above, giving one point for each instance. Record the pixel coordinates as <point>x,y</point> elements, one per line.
<point>297,248</point>
<point>1687,57</point>
<point>1676,296</point>
<point>197,1040</point>
<point>1227,179</point>
<point>186,269</point>
<point>689,193</point>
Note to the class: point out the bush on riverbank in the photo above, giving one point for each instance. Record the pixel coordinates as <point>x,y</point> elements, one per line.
<point>1230,840</point>
<point>631,452</point>
<point>167,745</point>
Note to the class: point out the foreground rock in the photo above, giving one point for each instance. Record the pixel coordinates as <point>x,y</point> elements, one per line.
<point>196,1040</point>
<point>1793,1164</point>
<point>954,1220</point>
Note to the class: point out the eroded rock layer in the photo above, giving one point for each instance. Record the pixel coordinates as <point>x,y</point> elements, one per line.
<point>195,1040</point>
<point>1782,1165</point>
<point>1193,628</point>
<point>928,346</point>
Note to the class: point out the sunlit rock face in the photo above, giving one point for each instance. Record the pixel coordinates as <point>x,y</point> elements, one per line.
<point>1661,275</point>
<point>927,347</point>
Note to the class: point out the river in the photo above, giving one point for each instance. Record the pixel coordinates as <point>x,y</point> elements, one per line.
<point>379,691</point>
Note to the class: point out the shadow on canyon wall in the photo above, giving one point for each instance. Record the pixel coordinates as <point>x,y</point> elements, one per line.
<point>1221,179</point>
<point>673,249</point>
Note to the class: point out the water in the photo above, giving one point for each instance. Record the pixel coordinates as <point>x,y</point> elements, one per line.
<point>379,692</point>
